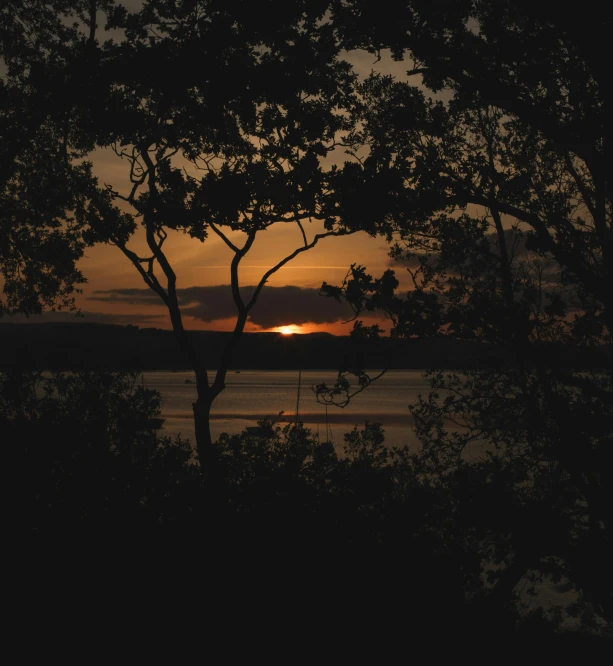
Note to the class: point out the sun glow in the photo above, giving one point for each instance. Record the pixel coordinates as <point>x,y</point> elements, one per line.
<point>288,330</point>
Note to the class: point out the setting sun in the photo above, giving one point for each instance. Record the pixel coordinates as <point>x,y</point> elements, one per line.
<point>288,330</point>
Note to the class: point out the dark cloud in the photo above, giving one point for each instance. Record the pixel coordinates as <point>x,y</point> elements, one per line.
<point>276,306</point>
<point>87,317</point>
<point>132,296</point>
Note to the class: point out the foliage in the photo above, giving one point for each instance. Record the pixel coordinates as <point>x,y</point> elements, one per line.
<point>85,460</point>
<point>497,200</point>
<point>499,196</point>
<point>85,456</point>
<point>470,526</point>
<point>48,62</point>
<point>505,445</point>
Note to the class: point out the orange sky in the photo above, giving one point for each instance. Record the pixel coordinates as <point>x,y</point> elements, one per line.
<point>207,264</point>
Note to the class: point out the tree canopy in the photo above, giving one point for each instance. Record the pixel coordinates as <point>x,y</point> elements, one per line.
<point>48,59</point>
<point>497,193</point>
<point>225,114</point>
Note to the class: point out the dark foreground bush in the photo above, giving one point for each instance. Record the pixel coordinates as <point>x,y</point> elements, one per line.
<point>283,531</point>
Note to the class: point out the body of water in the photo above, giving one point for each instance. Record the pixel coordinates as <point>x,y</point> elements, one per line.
<point>254,394</point>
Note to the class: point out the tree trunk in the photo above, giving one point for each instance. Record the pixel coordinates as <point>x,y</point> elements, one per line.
<point>202,423</point>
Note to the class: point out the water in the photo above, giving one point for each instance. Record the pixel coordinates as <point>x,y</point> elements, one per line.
<point>254,394</point>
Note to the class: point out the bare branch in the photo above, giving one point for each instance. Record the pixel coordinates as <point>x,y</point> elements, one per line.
<point>240,253</point>
<point>299,223</point>
<point>92,23</point>
<point>417,71</point>
<point>585,195</point>
<point>148,275</point>
<point>224,238</point>
<point>329,396</point>
<point>172,301</point>
<point>287,259</point>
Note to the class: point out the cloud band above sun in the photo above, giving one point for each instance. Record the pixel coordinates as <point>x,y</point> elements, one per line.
<point>277,307</point>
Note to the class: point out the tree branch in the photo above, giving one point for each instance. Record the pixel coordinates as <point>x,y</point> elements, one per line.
<point>202,382</point>
<point>224,238</point>
<point>287,259</point>
<point>567,257</point>
<point>92,23</point>
<point>148,276</point>
<point>299,223</point>
<point>580,186</point>
<point>239,254</point>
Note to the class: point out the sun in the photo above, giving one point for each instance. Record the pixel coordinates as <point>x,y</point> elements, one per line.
<point>288,330</point>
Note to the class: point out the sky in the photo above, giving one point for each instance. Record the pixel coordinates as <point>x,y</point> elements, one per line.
<point>291,297</point>
<point>115,292</point>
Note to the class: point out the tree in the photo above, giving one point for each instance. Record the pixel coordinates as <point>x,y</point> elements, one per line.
<point>557,97</point>
<point>235,144</point>
<point>49,58</point>
<point>499,196</point>
<point>85,457</point>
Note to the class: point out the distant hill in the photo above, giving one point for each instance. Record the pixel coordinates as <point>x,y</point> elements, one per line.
<point>71,346</point>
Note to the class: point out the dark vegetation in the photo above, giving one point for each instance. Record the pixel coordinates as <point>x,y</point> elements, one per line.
<point>493,183</point>
<point>493,188</point>
<point>369,539</point>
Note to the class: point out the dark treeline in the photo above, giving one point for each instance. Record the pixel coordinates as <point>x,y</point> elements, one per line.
<point>110,347</point>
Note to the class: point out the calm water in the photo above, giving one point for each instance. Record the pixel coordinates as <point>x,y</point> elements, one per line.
<point>254,394</point>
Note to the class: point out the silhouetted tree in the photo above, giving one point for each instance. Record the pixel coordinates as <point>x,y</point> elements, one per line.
<point>49,60</point>
<point>225,115</point>
<point>498,194</point>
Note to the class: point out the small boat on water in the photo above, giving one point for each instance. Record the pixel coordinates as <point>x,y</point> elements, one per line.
<point>189,381</point>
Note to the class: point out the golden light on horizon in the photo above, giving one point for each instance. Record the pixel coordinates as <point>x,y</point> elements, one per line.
<point>288,330</point>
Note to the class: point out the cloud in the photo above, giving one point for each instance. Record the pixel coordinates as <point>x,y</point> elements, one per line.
<point>132,296</point>
<point>276,306</point>
<point>86,318</point>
